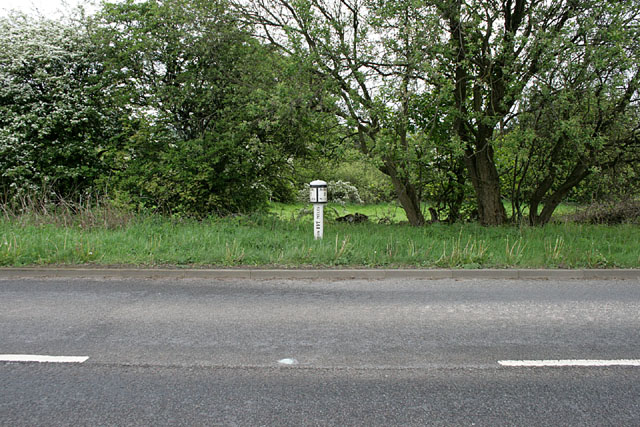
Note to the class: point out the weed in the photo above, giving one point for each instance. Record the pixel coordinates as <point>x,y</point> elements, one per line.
<point>233,254</point>
<point>390,248</point>
<point>85,252</point>
<point>514,251</point>
<point>338,253</point>
<point>554,251</point>
<point>412,251</point>
<point>9,251</point>
<point>88,212</point>
<point>472,254</point>
<point>596,259</point>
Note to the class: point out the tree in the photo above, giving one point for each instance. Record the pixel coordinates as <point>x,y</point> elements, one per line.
<point>215,116</point>
<point>494,51</point>
<point>472,63</point>
<point>53,116</point>
<point>375,86</point>
<point>582,114</point>
<point>504,55</point>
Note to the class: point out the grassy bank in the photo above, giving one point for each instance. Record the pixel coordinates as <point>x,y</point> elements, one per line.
<point>273,241</point>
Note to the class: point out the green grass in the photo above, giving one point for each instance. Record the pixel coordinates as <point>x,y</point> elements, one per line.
<point>387,212</point>
<point>384,212</point>
<point>270,241</point>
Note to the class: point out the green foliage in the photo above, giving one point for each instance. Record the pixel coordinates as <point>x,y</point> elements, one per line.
<point>54,119</point>
<point>214,116</point>
<point>183,107</point>
<point>349,166</point>
<point>370,77</point>
<point>619,181</point>
<point>197,177</point>
<point>429,90</point>
<point>580,121</point>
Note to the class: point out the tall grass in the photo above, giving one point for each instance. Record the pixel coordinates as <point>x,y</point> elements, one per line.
<point>107,236</point>
<point>88,212</point>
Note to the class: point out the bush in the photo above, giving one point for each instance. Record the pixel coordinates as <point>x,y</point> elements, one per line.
<point>343,192</point>
<point>612,212</point>
<point>214,117</point>
<point>53,116</point>
<point>196,178</point>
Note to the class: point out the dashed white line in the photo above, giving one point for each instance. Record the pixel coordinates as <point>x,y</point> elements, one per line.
<point>570,362</point>
<point>42,358</point>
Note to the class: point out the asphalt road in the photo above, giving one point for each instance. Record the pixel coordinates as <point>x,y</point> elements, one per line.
<point>382,352</point>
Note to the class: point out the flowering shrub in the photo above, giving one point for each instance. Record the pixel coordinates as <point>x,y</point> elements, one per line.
<point>52,120</point>
<point>343,192</point>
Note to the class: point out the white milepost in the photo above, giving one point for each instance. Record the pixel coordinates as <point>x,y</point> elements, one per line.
<point>318,196</point>
<point>318,221</point>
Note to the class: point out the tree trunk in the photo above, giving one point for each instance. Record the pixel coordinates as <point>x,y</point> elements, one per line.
<point>407,196</point>
<point>479,153</point>
<point>486,183</point>
<point>579,172</point>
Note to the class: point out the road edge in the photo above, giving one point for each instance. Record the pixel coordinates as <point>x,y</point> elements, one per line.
<point>318,274</point>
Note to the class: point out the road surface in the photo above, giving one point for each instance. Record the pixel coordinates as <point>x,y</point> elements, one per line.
<point>287,352</point>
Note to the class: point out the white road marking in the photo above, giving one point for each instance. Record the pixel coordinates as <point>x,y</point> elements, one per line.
<point>288,362</point>
<point>569,362</point>
<point>41,358</point>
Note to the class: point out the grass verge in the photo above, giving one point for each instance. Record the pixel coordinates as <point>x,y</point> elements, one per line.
<point>271,241</point>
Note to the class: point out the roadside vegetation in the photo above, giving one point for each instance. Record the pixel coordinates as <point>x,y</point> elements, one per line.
<point>200,123</point>
<point>103,235</point>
